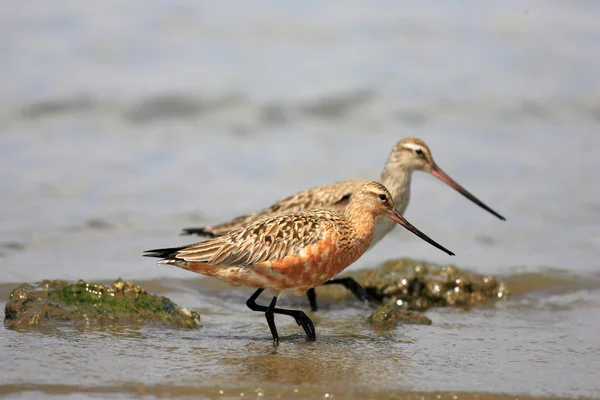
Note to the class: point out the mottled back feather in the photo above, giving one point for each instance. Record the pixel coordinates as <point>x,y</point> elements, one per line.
<point>267,239</point>
<point>334,196</point>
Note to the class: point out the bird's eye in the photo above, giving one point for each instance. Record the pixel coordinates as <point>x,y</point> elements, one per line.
<point>419,152</point>
<point>382,197</point>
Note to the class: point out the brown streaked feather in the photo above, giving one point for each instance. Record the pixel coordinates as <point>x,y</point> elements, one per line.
<point>268,239</point>
<point>334,196</point>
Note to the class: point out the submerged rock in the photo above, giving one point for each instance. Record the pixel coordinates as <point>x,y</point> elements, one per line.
<point>387,316</point>
<point>418,285</point>
<point>61,302</point>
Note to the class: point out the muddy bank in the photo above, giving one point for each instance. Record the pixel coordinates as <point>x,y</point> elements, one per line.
<point>400,285</point>
<point>61,302</point>
<point>418,285</point>
<point>387,316</point>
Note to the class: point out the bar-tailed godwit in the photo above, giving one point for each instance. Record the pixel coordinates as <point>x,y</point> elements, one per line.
<point>408,155</point>
<point>294,251</point>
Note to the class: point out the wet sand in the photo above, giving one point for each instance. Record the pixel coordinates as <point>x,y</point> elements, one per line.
<point>178,392</point>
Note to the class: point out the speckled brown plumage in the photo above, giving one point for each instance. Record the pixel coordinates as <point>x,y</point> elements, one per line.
<point>334,196</point>
<point>290,252</point>
<point>408,155</point>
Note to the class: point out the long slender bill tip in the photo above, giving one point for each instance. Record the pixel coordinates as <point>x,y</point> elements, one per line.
<point>445,250</point>
<point>441,175</point>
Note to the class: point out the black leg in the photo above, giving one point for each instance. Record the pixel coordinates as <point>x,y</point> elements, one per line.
<point>269,311</point>
<point>301,318</point>
<point>357,290</point>
<point>251,302</point>
<point>271,319</point>
<point>312,299</point>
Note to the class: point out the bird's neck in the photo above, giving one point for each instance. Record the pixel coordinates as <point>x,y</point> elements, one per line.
<point>362,222</point>
<point>396,178</point>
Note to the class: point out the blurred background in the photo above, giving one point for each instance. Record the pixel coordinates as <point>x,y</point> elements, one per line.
<point>121,123</point>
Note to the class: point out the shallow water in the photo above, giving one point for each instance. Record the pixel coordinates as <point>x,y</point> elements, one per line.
<point>122,124</point>
<point>541,343</point>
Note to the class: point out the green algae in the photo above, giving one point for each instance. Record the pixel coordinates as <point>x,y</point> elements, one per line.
<point>62,302</point>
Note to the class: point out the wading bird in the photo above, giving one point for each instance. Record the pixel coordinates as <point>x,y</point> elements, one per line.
<point>408,155</point>
<point>291,252</point>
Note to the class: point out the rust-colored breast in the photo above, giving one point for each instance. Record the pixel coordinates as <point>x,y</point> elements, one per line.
<point>310,267</point>
<point>289,252</point>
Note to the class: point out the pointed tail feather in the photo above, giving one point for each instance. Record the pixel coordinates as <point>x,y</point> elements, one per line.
<point>202,252</point>
<point>215,231</point>
<point>202,231</point>
<point>169,253</point>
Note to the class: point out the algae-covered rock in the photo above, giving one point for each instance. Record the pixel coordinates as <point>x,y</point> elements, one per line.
<point>61,302</point>
<point>387,316</point>
<point>418,285</point>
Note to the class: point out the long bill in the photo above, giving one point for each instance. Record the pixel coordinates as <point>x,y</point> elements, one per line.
<point>441,175</point>
<point>395,215</point>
